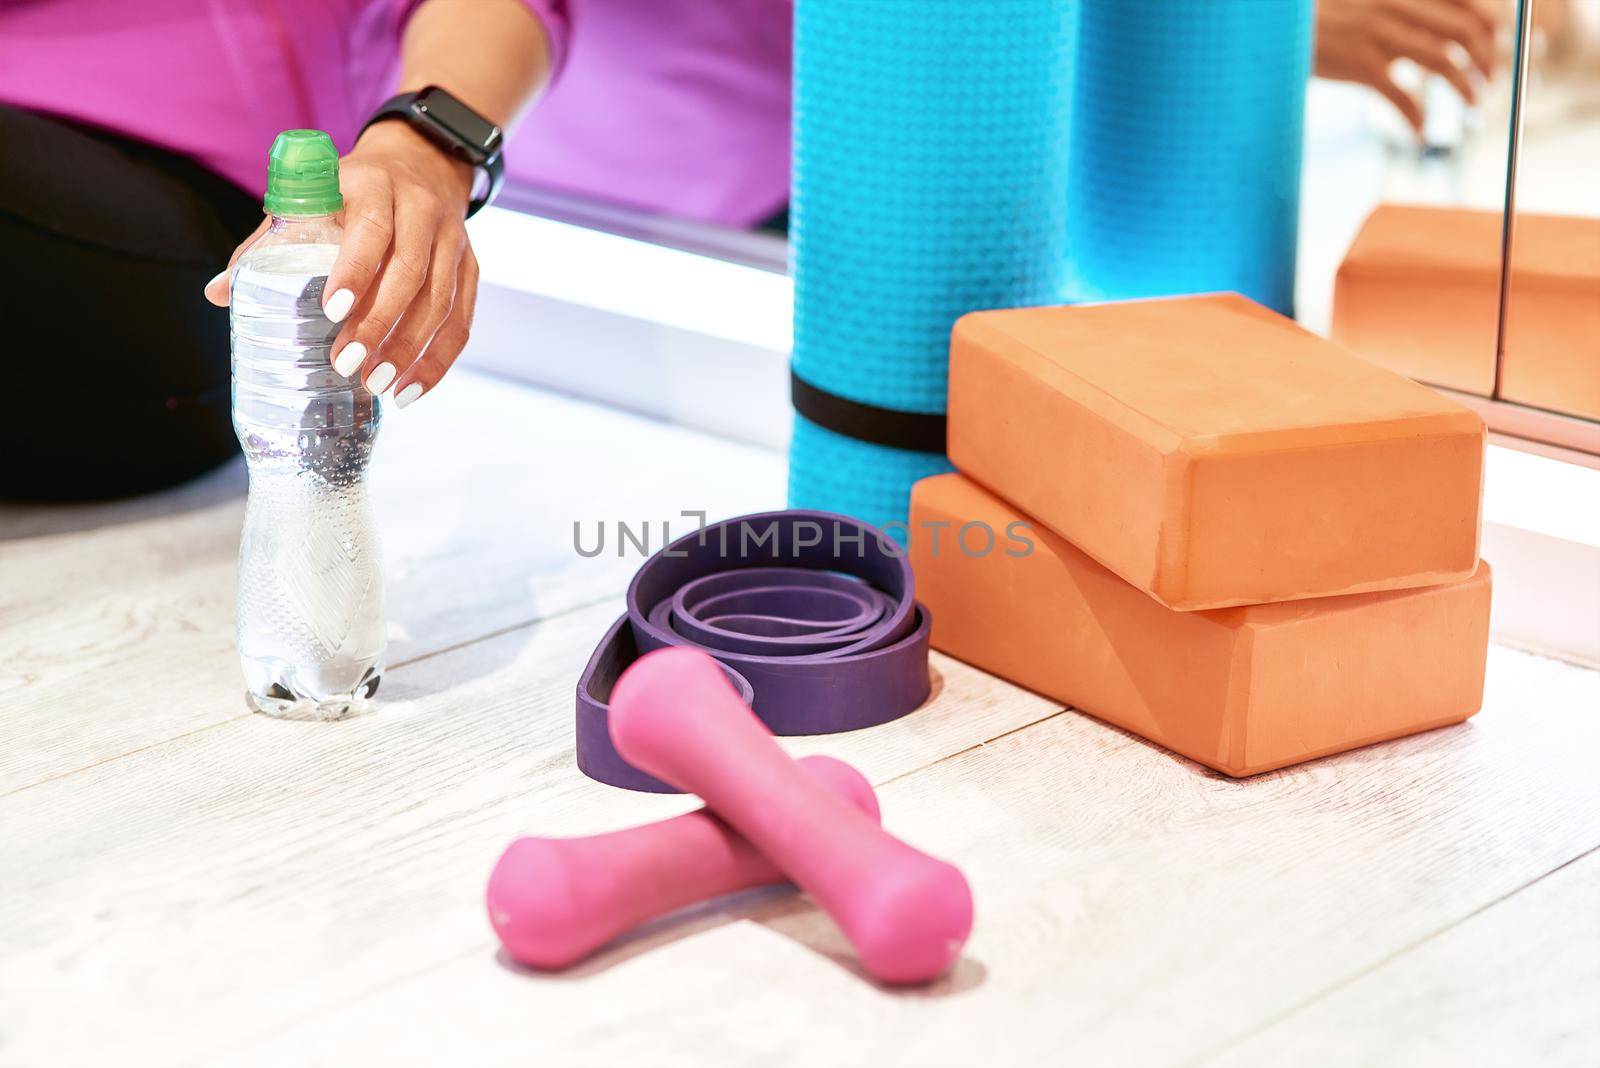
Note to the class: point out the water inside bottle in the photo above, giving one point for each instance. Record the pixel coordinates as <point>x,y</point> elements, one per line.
<point>310,620</point>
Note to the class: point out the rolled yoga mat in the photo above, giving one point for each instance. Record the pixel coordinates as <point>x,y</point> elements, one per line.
<point>1186,144</point>
<point>930,180</point>
<point>812,616</point>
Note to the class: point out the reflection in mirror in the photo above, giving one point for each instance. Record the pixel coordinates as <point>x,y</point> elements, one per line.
<point>1549,353</point>
<point>1421,287</point>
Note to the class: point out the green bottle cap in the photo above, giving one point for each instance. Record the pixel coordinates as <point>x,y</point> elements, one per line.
<point>303,175</point>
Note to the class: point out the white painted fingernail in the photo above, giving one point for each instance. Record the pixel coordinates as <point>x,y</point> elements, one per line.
<point>379,379</point>
<point>407,395</point>
<point>339,305</point>
<point>350,358</point>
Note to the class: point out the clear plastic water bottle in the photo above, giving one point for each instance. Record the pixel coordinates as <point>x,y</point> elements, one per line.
<point>310,613</point>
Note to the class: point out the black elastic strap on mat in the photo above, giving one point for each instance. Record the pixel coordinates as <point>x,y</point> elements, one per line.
<point>914,431</point>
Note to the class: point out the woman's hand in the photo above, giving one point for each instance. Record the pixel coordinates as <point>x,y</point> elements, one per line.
<point>405,282</point>
<point>1356,40</point>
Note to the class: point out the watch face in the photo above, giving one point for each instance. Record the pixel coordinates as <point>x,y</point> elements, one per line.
<point>459,120</point>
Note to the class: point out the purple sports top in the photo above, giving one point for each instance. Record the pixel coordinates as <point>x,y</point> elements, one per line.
<point>677,106</point>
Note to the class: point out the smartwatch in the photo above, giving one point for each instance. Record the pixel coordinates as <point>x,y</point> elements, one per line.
<point>457,130</point>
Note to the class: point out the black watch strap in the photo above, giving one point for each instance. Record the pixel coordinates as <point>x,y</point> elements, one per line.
<point>456,129</point>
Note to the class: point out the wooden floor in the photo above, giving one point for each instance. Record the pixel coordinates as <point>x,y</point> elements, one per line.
<point>181,882</point>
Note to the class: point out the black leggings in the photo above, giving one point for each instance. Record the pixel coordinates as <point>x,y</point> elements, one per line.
<point>116,367</point>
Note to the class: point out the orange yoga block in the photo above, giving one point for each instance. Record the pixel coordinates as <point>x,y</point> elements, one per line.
<point>1213,453</point>
<point>1419,292</point>
<point>1242,690</point>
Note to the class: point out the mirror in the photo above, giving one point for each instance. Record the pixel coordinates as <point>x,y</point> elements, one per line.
<point>1423,287</point>
<point>1547,382</point>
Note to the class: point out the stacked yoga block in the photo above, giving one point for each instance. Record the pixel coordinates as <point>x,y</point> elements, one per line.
<point>1193,519</point>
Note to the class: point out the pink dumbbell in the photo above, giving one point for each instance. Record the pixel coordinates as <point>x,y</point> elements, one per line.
<point>675,715</point>
<point>553,901</point>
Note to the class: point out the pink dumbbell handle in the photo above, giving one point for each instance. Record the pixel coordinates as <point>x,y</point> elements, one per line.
<point>674,714</point>
<point>553,901</point>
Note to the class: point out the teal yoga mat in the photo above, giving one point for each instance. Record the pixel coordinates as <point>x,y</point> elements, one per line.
<point>930,179</point>
<point>1186,147</point>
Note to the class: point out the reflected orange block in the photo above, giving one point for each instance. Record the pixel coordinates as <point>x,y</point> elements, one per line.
<point>1213,453</point>
<point>1419,292</point>
<point>1241,690</point>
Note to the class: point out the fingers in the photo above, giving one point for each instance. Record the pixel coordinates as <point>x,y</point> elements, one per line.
<point>219,290</point>
<point>448,341</point>
<point>426,314</point>
<point>1373,67</point>
<point>1489,12</point>
<point>1459,21</point>
<point>1359,39</point>
<point>1403,101</point>
<point>369,229</point>
<point>404,282</point>
<point>399,280</point>
<point>1429,51</point>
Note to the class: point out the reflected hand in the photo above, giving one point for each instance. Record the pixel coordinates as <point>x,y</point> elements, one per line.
<point>1357,40</point>
<point>405,281</point>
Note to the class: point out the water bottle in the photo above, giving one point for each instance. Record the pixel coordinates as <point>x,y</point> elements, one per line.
<point>310,612</point>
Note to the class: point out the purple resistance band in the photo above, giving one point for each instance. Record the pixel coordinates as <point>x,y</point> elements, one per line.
<point>811,614</point>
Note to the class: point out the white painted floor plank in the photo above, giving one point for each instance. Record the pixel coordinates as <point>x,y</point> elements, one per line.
<point>1132,907</point>
<point>116,620</point>
<point>260,871</point>
<point>1518,983</point>
<point>179,881</point>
